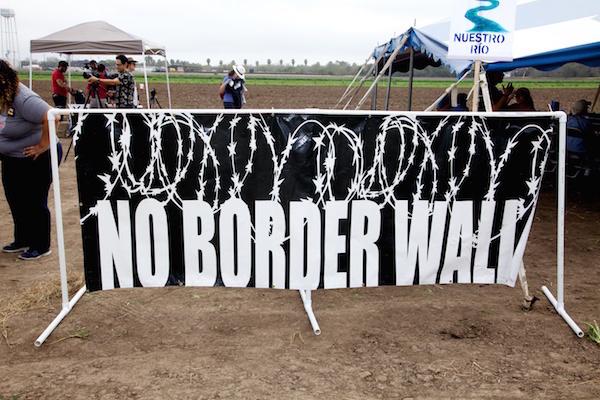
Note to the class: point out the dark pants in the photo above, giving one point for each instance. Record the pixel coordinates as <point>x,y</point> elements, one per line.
<point>26,183</point>
<point>59,101</point>
<point>228,105</point>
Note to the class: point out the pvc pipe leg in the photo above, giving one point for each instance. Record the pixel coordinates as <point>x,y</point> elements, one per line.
<point>306,299</point>
<point>63,313</point>
<point>562,312</point>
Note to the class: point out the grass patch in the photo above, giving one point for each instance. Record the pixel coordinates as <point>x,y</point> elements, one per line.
<point>337,81</point>
<point>593,332</point>
<point>79,333</point>
<point>40,295</point>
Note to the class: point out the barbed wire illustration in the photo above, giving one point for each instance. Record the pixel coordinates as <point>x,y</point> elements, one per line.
<point>376,176</point>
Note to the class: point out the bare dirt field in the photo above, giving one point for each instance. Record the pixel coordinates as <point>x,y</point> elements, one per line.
<point>462,341</point>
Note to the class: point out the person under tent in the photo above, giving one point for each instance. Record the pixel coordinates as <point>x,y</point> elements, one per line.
<point>499,98</point>
<point>579,127</point>
<point>523,101</point>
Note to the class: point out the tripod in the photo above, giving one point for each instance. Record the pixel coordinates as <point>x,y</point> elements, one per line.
<point>93,90</point>
<point>153,100</point>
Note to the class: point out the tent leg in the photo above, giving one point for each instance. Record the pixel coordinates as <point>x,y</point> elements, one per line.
<point>448,90</point>
<point>388,90</point>
<point>307,300</point>
<point>168,83</point>
<point>348,89</point>
<point>411,78</point>
<point>595,99</point>
<point>476,81</point>
<point>69,74</point>
<point>147,89</point>
<point>362,81</point>
<point>485,90</point>
<point>387,65</point>
<point>374,94</point>
<point>30,71</point>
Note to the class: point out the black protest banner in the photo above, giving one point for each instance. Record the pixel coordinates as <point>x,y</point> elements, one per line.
<point>306,201</point>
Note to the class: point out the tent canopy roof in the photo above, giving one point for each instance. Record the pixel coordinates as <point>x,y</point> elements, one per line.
<point>548,34</point>
<point>96,37</point>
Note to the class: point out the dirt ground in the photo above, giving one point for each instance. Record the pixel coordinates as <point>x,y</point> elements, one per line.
<point>463,341</point>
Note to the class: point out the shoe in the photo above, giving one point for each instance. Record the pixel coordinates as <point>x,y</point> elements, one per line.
<point>34,254</point>
<point>14,247</point>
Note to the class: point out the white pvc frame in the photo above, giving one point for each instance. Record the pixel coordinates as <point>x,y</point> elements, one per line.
<point>68,304</point>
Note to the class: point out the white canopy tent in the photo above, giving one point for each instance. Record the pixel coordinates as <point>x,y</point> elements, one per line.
<point>99,37</point>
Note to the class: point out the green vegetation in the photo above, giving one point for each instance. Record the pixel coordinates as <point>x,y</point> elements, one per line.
<point>312,80</point>
<point>593,332</point>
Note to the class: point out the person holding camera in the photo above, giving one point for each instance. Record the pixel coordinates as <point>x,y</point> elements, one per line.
<point>233,88</point>
<point>97,92</point>
<point>26,170</point>
<point>124,82</point>
<point>60,89</point>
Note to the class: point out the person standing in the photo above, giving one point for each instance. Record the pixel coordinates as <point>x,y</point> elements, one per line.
<point>125,85</point>
<point>131,64</point>
<point>97,92</point>
<point>233,89</point>
<point>60,88</point>
<point>26,169</point>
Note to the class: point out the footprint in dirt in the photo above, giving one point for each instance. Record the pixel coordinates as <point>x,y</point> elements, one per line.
<point>464,331</point>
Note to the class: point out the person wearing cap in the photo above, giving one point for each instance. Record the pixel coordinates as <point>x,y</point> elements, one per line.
<point>93,66</point>
<point>233,88</point>
<point>579,127</point>
<point>131,64</point>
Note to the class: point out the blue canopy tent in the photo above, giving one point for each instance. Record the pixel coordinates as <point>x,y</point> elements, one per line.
<point>548,34</point>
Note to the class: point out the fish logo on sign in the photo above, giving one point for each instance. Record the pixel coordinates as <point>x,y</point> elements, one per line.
<point>482,24</point>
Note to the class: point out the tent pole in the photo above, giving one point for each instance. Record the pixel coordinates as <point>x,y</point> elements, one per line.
<point>595,99</point>
<point>30,71</point>
<point>362,81</point>
<point>69,75</point>
<point>485,91</point>
<point>448,90</point>
<point>374,94</point>
<point>476,81</point>
<point>411,78</point>
<point>168,83</point>
<point>347,91</point>
<point>389,89</point>
<point>146,80</point>
<point>385,67</point>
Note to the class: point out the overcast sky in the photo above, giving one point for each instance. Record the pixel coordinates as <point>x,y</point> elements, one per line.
<point>235,30</point>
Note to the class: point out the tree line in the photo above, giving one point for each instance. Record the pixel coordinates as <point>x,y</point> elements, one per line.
<point>303,66</point>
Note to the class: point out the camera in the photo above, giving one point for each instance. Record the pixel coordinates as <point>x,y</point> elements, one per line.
<point>88,72</point>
